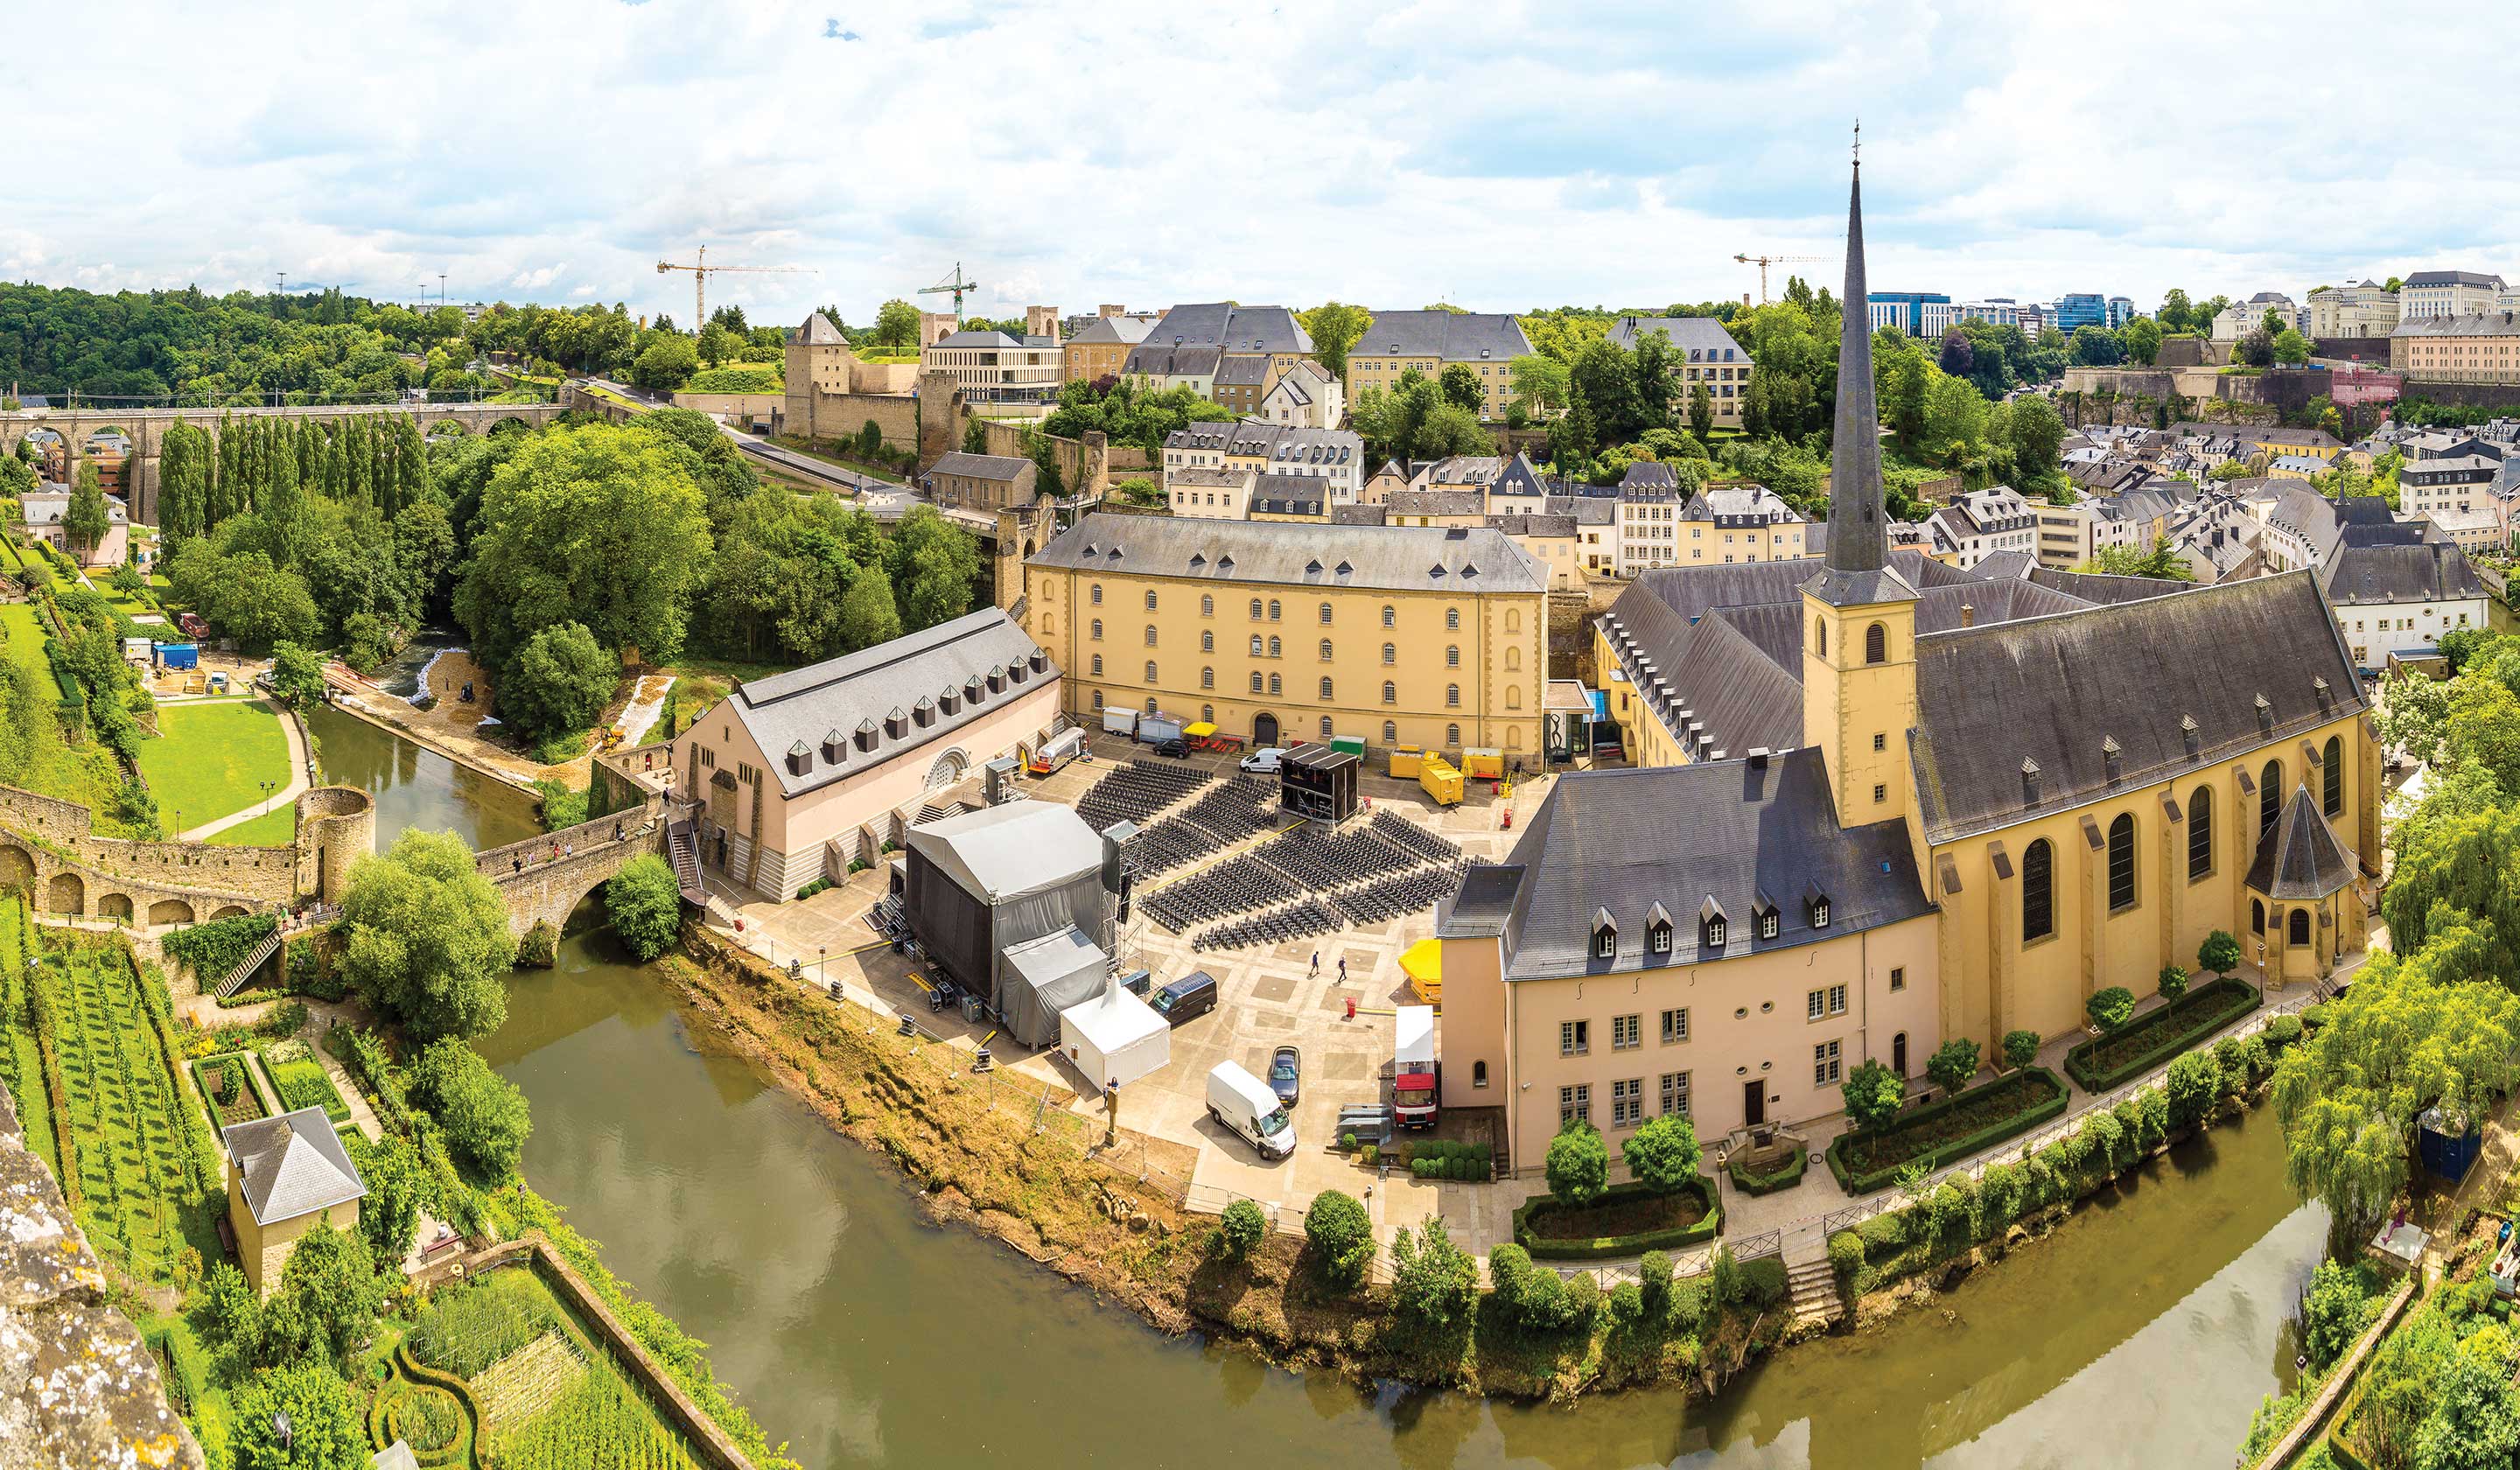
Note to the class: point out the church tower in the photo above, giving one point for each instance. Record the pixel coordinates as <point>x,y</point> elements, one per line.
<point>1858,615</point>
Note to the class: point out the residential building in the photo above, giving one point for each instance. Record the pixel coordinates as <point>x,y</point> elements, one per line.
<point>1521,489</point>
<point>2462,347</point>
<point>1242,383</point>
<point>2448,293</point>
<point>1210,491</point>
<point>43,510</point>
<point>1436,508</point>
<point>1163,369</point>
<point>983,482</point>
<point>1429,342</point>
<point>1919,805</point>
<point>1306,396</point>
<point>806,772</point>
<point>1902,309</point>
<point>1649,529</point>
<point>1291,497</point>
<point>2295,466</point>
<point>2477,532</point>
<point>2397,588</point>
<point>2437,487</point>
<point>1101,348</point>
<point>284,1175</point>
<point>1705,354</point>
<point>991,368</point>
<point>1552,542</point>
<point>1596,530</point>
<point>1393,475</point>
<point>2082,309</point>
<point>1978,523</point>
<point>1176,346</point>
<point>2237,321</point>
<point>1334,455</point>
<point>1284,631</point>
<point>2363,310</point>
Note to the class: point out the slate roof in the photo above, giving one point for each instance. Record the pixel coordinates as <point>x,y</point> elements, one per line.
<point>2454,278</point>
<point>1106,331</point>
<point>981,466</point>
<point>1588,509</point>
<point>1435,503</point>
<point>1711,678</point>
<point>1289,494</point>
<point>1743,835</point>
<point>1531,523</point>
<point>2099,589</point>
<point>880,703</point>
<point>1401,558</point>
<point>1704,337</point>
<point>1154,361</point>
<point>1740,505</point>
<point>2466,324</point>
<point>1521,477</point>
<point>2371,569</point>
<point>1243,373</point>
<point>1231,329</point>
<point>292,1165</point>
<point>819,331</point>
<point>1453,336</point>
<point>2299,859</point>
<point>1359,515</point>
<point>1998,567</point>
<point>2051,689</point>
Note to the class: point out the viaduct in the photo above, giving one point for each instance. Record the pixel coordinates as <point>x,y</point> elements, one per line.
<point>148,430</point>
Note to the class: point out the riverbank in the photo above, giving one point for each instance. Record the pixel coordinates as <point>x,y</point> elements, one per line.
<point>1131,1242</point>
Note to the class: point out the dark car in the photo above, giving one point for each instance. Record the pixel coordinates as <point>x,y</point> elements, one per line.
<point>1285,1074</point>
<point>1187,998</point>
<point>1175,748</point>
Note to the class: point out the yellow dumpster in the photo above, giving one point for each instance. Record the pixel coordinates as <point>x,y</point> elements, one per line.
<point>1483,763</point>
<point>1404,761</point>
<point>1423,964</point>
<point>1440,781</point>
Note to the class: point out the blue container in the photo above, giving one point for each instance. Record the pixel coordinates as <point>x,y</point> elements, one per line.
<point>179,656</point>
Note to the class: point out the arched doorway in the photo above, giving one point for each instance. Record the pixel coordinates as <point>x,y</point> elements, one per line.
<point>947,770</point>
<point>1264,731</point>
<point>116,905</point>
<point>170,912</point>
<point>232,911</point>
<point>16,869</point>
<point>67,894</point>
<point>1899,1053</point>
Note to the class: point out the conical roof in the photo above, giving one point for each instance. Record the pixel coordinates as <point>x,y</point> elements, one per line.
<point>1857,571</point>
<point>2299,859</point>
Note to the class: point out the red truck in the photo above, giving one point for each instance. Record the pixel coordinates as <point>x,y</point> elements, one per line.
<point>1417,1077</point>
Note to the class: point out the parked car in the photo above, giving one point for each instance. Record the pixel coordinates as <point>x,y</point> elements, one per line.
<point>1263,761</point>
<point>1175,748</point>
<point>1187,998</point>
<point>1285,1074</point>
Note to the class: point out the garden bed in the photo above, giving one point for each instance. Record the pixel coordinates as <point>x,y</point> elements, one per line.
<point>302,1082</point>
<point>1783,1175</point>
<point>1628,1220</point>
<point>1941,1133</point>
<point>250,1103</point>
<point>2107,1062</point>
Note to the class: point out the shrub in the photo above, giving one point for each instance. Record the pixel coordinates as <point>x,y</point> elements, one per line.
<point>2020,1048</point>
<point>1653,1277</point>
<point>1627,1306</point>
<point>2171,982</point>
<point>1435,1284</point>
<point>1532,1298</point>
<point>539,950</point>
<point>1999,1197</point>
<point>1583,1298</point>
<point>812,888</point>
<point>1339,1237</point>
<point>2283,1031</point>
<point>2191,1088</point>
<point>1845,1257</point>
<point>2107,1136</point>
<point>1347,1142</point>
<point>2111,1009</point>
<point>1872,1093</point>
<point>1954,1063</point>
<point>2334,1314</point>
<point>1240,1229</point>
<point>1663,1155</point>
<point>2233,1067</point>
<point>1578,1164</point>
<point>2220,953</point>
<point>1369,1154</point>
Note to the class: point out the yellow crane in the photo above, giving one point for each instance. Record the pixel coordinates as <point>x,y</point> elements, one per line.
<point>1765,261</point>
<point>955,283</point>
<point>701,270</point>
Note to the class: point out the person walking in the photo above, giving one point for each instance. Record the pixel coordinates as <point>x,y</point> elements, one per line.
<point>1342,969</point>
<point>1317,964</point>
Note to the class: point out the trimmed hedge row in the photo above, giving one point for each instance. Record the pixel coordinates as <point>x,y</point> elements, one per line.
<point>1616,1245</point>
<point>2198,1014</point>
<point>1784,1177</point>
<point>1957,1148</point>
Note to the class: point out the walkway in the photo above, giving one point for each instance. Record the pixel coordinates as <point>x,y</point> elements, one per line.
<point>298,767</point>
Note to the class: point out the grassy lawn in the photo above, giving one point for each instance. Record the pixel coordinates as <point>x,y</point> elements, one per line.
<point>25,644</point>
<point>277,828</point>
<point>208,759</point>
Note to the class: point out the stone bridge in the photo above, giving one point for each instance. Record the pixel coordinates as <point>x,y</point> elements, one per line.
<point>148,429</point>
<point>545,878</point>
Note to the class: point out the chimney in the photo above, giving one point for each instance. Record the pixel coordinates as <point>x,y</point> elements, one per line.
<point>2266,717</point>
<point>2110,759</point>
<point>2189,734</point>
<point>1968,615</point>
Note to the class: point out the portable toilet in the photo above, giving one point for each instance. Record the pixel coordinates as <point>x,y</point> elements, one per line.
<point>1404,762</point>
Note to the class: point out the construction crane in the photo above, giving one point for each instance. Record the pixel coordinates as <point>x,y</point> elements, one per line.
<point>1765,261</point>
<point>955,283</point>
<point>701,270</point>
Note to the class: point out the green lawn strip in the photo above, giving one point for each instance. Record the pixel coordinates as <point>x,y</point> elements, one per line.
<point>277,828</point>
<point>2160,1034</point>
<point>208,759</point>
<point>25,644</point>
<point>1941,1133</point>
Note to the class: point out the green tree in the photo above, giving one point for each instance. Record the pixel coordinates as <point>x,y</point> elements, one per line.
<point>936,565</point>
<point>2038,436</point>
<point>1461,388</point>
<point>1240,1227</point>
<point>1954,1063</point>
<point>2171,982</point>
<point>645,904</point>
<point>324,1430</point>
<point>2175,313</point>
<point>1452,429</point>
<point>2334,1314</point>
<point>1435,1284</point>
<point>1578,1164</point>
<point>2291,348</point>
<point>399,1187</point>
<point>424,937</point>
<point>1335,328</point>
<point>2163,562</point>
<point>2220,953</point>
<point>1955,420</point>
<point>18,478</point>
<point>1902,397</point>
<point>2191,1086</point>
<point>2020,1048</point>
<point>2143,337</point>
<point>2258,348</point>
<point>1701,411</point>
<point>296,675</point>
<point>86,521</point>
<point>482,1114</point>
<point>330,1281</point>
<point>896,325</point>
<point>867,614</point>
<point>1539,384</point>
<point>2474,1423</point>
<point>2110,1008</point>
<point>559,683</point>
<point>1663,1155</point>
<point>1874,1094</point>
<point>665,362</point>
<point>1339,1236</point>
<point>716,345</point>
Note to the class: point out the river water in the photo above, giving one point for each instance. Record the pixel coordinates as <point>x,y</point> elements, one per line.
<point>2140,1334</point>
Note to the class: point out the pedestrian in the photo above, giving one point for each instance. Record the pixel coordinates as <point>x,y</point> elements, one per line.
<point>520,866</point>
<point>1342,969</point>
<point>569,849</point>
<point>1317,964</point>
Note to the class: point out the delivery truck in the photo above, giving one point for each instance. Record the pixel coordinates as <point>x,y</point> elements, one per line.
<point>1245,1106</point>
<point>1416,1074</point>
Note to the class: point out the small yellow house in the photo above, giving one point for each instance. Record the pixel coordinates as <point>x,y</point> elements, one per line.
<point>283,1174</point>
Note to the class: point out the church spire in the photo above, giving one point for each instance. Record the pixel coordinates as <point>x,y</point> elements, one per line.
<point>1859,541</point>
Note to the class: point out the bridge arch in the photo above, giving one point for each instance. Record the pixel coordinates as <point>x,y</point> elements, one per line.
<point>229,911</point>
<point>501,426</point>
<point>447,424</point>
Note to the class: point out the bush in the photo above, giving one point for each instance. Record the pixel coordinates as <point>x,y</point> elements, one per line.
<point>2020,1048</point>
<point>1784,1176</point>
<point>215,949</point>
<point>1578,1164</point>
<point>2283,1031</point>
<point>1653,1277</point>
<point>2191,1088</point>
<point>1340,1238</point>
<point>1845,1257</point>
<point>1663,1155</point>
<point>1240,1229</point>
<point>812,888</point>
<point>645,903</point>
<point>539,950</point>
<point>482,1114</point>
<point>2112,1060</point>
<point>1954,1063</point>
<point>2171,982</point>
<point>2111,1009</point>
<point>2334,1314</point>
<point>1704,1227</point>
<point>1532,1298</point>
<point>1435,1284</point>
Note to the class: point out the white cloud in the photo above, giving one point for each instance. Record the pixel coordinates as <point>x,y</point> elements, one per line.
<point>1500,155</point>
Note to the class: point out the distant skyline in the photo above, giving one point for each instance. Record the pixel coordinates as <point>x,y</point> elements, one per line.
<point>1501,157</point>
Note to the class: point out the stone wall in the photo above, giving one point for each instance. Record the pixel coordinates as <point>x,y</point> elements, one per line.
<point>761,406</point>
<point>78,1384</point>
<point>2484,396</point>
<point>1084,465</point>
<point>816,414</point>
<point>337,825</point>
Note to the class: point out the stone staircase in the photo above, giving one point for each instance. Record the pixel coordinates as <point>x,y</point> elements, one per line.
<point>1813,1285</point>
<point>251,963</point>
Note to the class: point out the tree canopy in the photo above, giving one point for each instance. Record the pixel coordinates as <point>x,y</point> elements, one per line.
<point>426,937</point>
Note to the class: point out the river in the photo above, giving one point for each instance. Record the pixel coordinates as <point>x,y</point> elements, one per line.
<point>2140,1334</point>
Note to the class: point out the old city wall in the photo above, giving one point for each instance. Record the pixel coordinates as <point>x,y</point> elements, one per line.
<point>819,413</point>
<point>47,850</point>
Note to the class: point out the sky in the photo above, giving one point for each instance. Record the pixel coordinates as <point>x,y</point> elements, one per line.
<point>1502,155</point>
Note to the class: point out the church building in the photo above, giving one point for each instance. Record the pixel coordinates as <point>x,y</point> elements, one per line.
<point>1882,802</point>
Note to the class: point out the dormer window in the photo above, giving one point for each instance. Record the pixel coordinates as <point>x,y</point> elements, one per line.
<point>1771,924</point>
<point>1658,930</point>
<point>1714,925</point>
<point>1605,935</point>
<point>1816,905</point>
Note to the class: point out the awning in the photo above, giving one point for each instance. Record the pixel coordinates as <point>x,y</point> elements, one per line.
<point>1198,732</point>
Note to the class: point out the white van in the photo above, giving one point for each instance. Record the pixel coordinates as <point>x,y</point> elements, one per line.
<point>1245,1105</point>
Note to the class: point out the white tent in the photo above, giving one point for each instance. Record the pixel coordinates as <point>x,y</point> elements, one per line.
<point>1114,1039</point>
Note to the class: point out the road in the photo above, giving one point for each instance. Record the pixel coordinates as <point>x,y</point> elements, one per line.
<point>880,499</point>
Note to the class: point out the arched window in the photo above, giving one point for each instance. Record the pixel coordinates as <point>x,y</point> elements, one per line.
<point>1275,648</point>
<point>1391,731</point>
<point>1478,1074</point>
<point>1255,681</point>
<point>1206,604</point>
<point>1274,686</point>
<point>1390,693</point>
<point>1098,627</point>
<point>2038,896</point>
<point>2121,861</point>
<point>1453,696</point>
<point>1452,734</point>
<point>2269,796</point>
<point>1452,655</point>
<point>1325,650</point>
<point>1207,679</point>
<point>1391,618</point>
<point>1255,610</point>
<point>1326,613</point>
<point>1150,704</point>
<point>1513,696</point>
<point>1390,652</point>
<point>1452,617</point>
<point>1257,646</point>
<point>1098,665</point>
<point>2331,778</point>
<point>1207,712</point>
<point>1512,658</point>
<point>1151,599</point>
<point>1151,671</point>
<point>1325,726</point>
<point>2300,926</point>
<point>1097,698</point>
<point>1207,641</point>
<point>1273,609</point>
<point>2257,915</point>
<point>1514,620</point>
<point>1820,637</point>
<point>1876,645</point>
<point>2200,834</point>
<point>1326,686</point>
<point>1150,635</point>
<point>1095,595</point>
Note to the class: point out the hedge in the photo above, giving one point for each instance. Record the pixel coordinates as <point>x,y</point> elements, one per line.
<point>2182,1023</point>
<point>1957,1148</point>
<point>1616,1245</point>
<point>1785,1177</point>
